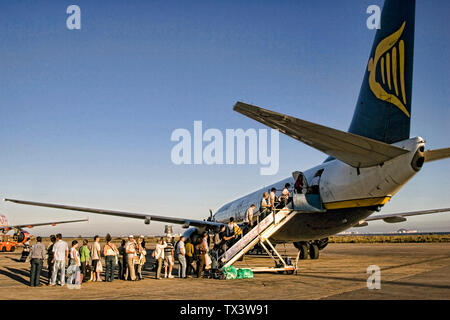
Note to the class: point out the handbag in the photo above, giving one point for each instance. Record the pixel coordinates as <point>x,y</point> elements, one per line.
<point>208,261</point>
<point>99,267</point>
<point>142,259</point>
<point>71,270</point>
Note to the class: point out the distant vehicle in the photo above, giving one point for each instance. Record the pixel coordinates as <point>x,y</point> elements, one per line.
<point>7,243</point>
<point>10,243</point>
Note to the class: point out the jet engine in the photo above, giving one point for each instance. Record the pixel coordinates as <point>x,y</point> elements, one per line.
<point>21,236</point>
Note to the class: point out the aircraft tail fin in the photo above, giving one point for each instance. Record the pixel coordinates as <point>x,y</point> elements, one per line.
<point>383,110</point>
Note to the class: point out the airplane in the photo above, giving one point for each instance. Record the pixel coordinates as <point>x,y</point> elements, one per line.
<point>366,166</point>
<point>21,235</point>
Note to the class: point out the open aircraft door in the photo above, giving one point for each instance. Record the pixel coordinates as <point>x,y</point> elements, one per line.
<point>306,198</point>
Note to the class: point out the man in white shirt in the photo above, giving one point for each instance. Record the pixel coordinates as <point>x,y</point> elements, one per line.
<point>95,256</point>
<point>272,197</point>
<point>285,194</point>
<point>249,218</point>
<point>130,249</point>
<point>264,208</point>
<point>60,257</point>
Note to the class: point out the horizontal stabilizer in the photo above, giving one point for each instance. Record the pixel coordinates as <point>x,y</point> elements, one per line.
<point>31,225</point>
<point>438,154</point>
<point>398,217</point>
<point>356,151</point>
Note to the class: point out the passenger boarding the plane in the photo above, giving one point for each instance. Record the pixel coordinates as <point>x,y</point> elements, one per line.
<point>248,220</point>
<point>220,244</point>
<point>285,194</point>
<point>273,198</point>
<point>232,233</point>
<point>299,184</point>
<point>265,206</point>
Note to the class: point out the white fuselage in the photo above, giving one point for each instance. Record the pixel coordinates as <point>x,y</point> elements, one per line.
<point>343,190</point>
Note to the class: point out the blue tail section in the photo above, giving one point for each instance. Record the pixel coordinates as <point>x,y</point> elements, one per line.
<point>383,110</point>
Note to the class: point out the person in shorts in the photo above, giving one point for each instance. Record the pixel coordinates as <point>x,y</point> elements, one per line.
<point>95,256</point>
<point>168,258</point>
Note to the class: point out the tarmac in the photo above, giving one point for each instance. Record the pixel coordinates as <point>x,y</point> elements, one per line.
<point>408,271</point>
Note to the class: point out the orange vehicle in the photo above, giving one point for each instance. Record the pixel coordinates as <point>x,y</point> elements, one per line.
<point>10,243</point>
<point>7,243</point>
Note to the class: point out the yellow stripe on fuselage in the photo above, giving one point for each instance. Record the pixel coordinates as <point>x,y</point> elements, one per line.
<point>367,202</point>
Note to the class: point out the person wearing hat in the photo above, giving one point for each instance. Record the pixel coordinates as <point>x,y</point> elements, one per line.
<point>130,250</point>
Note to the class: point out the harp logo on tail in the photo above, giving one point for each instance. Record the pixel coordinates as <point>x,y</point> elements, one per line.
<point>390,60</point>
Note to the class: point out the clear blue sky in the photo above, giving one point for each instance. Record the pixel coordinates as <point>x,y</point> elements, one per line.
<point>86,115</point>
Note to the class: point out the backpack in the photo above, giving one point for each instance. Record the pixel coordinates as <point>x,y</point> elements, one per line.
<point>237,230</point>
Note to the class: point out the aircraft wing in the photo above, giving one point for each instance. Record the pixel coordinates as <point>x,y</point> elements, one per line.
<point>398,217</point>
<point>146,217</point>
<point>41,224</point>
<point>355,150</point>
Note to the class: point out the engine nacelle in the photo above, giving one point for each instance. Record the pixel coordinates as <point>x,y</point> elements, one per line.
<point>193,234</point>
<point>21,236</point>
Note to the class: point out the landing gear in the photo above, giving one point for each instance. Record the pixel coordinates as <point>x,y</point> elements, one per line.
<point>303,250</point>
<point>310,248</point>
<point>313,251</point>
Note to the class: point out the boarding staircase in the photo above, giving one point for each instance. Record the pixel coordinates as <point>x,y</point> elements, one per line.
<point>261,234</point>
<point>267,227</point>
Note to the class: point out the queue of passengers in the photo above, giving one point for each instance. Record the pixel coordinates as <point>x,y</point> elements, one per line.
<point>84,264</point>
